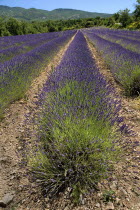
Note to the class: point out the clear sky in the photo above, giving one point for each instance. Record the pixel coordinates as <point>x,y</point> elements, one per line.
<point>103,6</point>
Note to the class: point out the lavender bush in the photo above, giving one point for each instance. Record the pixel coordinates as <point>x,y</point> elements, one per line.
<point>127,42</point>
<point>78,125</point>
<point>13,41</point>
<point>17,74</point>
<point>18,45</point>
<point>133,35</point>
<point>125,64</point>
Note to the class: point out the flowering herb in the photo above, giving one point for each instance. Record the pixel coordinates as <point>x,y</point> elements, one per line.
<point>78,125</point>
<point>124,64</point>
<point>17,73</point>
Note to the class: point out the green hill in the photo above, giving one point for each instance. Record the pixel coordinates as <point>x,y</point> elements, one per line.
<point>39,14</point>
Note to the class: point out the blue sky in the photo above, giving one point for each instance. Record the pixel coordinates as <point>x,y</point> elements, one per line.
<point>103,6</point>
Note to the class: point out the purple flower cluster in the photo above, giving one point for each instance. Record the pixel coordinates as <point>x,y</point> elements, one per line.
<point>115,36</point>
<point>20,70</point>
<point>11,41</point>
<point>75,123</point>
<point>17,45</point>
<point>78,65</point>
<point>134,35</point>
<point>125,64</point>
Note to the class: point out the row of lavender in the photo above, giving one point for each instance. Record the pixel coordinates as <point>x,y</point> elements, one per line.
<point>17,45</point>
<point>78,125</point>
<point>17,74</point>
<point>124,33</point>
<point>8,41</point>
<point>124,63</point>
<point>129,41</point>
<point>133,35</point>
<point>127,33</point>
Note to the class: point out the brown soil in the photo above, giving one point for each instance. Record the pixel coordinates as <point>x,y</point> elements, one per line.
<point>125,182</point>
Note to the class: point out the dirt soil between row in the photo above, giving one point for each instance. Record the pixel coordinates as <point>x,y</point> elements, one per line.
<point>120,192</point>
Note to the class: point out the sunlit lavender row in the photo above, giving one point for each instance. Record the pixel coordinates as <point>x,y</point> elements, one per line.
<point>124,63</point>
<point>133,45</point>
<point>127,33</point>
<point>78,65</point>
<point>78,124</point>
<point>11,41</point>
<point>123,33</point>
<point>126,41</point>
<point>17,45</point>
<point>17,73</point>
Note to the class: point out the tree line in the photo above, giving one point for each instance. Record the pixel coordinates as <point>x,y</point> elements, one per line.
<point>121,19</point>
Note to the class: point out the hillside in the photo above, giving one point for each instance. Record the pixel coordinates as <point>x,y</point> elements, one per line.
<point>39,14</point>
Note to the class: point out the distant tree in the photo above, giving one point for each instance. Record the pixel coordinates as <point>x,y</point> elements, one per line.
<point>14,27</point>
<point>25,27</point>
<point>1,19</point>
<point>125,18</point>
<point>3,30</point>
<point>89,24</point>
<point>137,11</point>
<point>110,21</point>
<point>97,20</point>
<point>116,17</point>
<point>52,28</point>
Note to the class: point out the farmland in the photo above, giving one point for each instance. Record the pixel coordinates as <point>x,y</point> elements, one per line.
<point>68,103</point>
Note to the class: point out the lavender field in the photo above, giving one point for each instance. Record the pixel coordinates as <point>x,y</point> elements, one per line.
<point>120,50</point>
<point>23,58</point>
<point>79,128</point>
